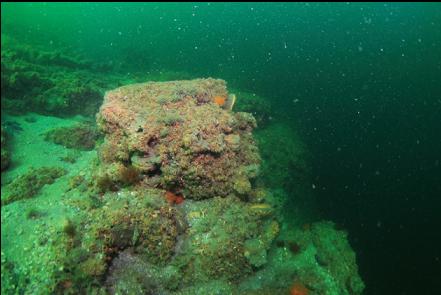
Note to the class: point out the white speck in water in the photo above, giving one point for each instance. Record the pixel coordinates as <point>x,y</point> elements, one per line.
<point>313,186</point>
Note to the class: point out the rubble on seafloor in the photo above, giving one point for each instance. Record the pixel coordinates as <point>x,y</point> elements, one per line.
<point>170,205</point>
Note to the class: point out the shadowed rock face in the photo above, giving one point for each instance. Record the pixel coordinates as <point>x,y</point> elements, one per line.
<point>178,138</point>
<point>5,154</point>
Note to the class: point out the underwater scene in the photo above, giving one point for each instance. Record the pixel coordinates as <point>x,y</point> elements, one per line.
<point>221,148</point>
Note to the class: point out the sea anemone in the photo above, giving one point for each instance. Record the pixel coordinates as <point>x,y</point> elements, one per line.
<point>220,100</point>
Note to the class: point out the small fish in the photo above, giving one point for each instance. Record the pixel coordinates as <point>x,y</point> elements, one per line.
<point>229,104</point>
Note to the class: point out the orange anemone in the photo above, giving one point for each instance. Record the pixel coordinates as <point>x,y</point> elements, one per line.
<point>220,100</point>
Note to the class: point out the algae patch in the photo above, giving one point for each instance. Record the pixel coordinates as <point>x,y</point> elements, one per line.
<point>80,136</point>
<point>29,184</point>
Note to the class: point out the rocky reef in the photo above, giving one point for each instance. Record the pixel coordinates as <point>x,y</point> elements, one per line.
<point>178,138</point>
<point>60,81</point>
<point>169,202</point>
<point>48,81</point>
<point>316,258</point>
<point>81,136</point>
<point>29,184</point>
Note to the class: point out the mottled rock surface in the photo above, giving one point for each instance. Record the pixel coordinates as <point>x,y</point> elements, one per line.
<point>178,138</point>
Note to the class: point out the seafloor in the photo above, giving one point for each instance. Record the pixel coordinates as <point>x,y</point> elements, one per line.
<point>154,188</point>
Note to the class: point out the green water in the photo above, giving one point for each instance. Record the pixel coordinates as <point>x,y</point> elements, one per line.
<point>347,98</point>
